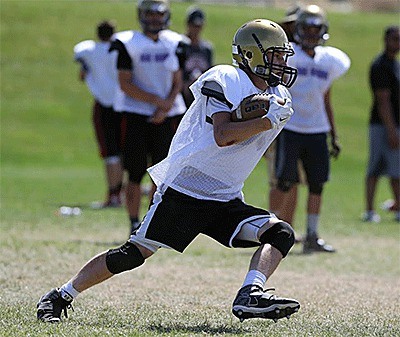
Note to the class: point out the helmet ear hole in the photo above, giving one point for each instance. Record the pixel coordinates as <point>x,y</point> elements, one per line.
<point>249,54</point>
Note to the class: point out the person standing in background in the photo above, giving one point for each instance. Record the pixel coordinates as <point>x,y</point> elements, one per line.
<point>384,131</point>
<point>98,71</point>
<point>198,54</point>
<point>289,21</point>
<point>304,137</point>
<point>285,209</point>
<point>151,81</point>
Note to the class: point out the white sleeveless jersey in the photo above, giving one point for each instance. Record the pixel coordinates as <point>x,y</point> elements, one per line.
<point>153,65</point>
<point>315,77</point>
<point>102,75</point>
<point>195,164</point>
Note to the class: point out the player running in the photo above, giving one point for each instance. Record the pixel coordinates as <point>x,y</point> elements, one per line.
<point>199,184</point>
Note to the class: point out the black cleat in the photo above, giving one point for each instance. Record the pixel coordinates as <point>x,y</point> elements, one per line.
<point>254,302</point>
<point>314,244</point>
<point>51,305</point>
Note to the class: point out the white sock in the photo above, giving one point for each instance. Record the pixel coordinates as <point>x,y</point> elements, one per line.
<point>68,292</point>
<point>255,277</point>
<point>312,224</point>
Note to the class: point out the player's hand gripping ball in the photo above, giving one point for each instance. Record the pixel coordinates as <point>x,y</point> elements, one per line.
<point>253,106</point>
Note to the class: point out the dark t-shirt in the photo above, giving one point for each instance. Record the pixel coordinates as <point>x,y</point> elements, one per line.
<point>385,74</point>
<point>198,59</point>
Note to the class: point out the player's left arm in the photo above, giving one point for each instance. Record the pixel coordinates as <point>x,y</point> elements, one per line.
<point>335,146</point>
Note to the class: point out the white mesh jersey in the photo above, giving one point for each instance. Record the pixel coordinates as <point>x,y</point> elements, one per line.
<point>102,76</point>
<point>153,65</point>
<point>315,77</point>
<point>195,164</point>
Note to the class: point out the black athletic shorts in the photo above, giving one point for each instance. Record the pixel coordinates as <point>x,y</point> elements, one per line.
<point>146,144</point>
<point>175,219</point>
<point>107,126</point>
<point>311,149</point>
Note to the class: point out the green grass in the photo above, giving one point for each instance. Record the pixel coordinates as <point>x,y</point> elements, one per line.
<point>49,158</point>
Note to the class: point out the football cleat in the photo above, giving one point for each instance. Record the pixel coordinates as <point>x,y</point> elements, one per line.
<point>371,216</point>
<point>51,305</point>
<point>113,201</point>
<point>254,302</point>
<point>314,244</point>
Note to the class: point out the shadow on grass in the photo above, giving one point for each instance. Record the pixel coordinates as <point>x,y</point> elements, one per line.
<point>204,328</point>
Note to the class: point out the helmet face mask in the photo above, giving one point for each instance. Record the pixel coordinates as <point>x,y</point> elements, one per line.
<point>311,28</point>
<point>154,15</point>
<point>261,46</point>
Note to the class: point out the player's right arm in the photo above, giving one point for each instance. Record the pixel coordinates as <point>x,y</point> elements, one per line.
<point>228,133</point>
<point>132,90</point>
<point>382,96</point>
<point>125,77</point>
<point>381,91</point>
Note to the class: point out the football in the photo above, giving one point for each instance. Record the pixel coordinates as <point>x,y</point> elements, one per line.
<point>253,106</point>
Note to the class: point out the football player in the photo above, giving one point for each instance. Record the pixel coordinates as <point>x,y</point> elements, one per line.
<point>151,82</point>
<point>99,73</point>
<point>304,137</point>
<point>199,184</point>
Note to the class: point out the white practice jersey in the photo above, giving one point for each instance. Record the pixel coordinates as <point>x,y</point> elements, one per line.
<point>102,76</point>
<point>315,77</point>
<point>196,165</point>
<point>153,66</point>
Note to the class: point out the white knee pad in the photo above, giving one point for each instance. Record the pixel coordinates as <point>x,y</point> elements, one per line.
<point>249,230</point>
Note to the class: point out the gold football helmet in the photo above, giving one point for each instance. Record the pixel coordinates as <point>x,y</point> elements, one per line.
<point>311,16</point>
<point>156,6</point>
<point>255,46</point>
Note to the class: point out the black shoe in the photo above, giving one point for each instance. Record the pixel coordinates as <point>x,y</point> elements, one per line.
<point>314,244</point>
<point>254,302</point>
<point>51,305</point>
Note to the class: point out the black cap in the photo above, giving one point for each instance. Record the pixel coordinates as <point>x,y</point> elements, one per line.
<point>195,16</point>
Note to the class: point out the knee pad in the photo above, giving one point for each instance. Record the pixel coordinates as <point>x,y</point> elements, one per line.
<point>280,236</point>
<point>315,188</point>
<point>284,185</point>
<point>124,258</point>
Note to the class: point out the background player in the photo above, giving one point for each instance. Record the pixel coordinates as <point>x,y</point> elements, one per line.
<point>284,209</point>
<point>384,128</point>
<point>198,53</point>
<point>151,81</point>
<point>99,73</point>
<point>305,136</point>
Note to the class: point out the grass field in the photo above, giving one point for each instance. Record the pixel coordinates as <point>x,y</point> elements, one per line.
<point>49,158</point>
